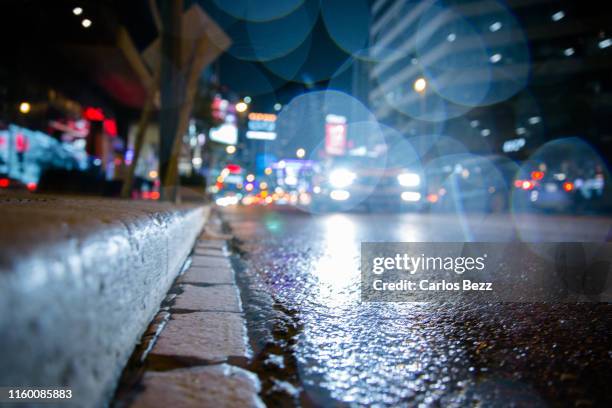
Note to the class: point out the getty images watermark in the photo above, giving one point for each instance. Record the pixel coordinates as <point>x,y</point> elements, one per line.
<point>506,272</point>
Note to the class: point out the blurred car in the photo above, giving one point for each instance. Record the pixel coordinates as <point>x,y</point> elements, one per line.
<point>539,190</point>
<point>559,191</point>
<point>363,185</point>
<point>497,183</point>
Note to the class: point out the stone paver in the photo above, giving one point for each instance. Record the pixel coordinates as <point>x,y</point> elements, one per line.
<point>223,298</point>
<point>215,253</point>
<point>210,261</point>
<point>218,386</point>
<point>209,336</point>
<point>206,324</point>
<point>211,235</point>
<point>208,275</point>
<point>211,243</point>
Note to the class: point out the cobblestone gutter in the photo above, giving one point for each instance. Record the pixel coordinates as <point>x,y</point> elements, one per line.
<point>193,352</point>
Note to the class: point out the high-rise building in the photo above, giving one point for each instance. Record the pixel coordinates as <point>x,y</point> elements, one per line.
<point>487,72</point>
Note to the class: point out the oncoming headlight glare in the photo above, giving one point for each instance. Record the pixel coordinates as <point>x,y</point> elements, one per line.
<point>341,178</point>
<point>411,196</point>
<point>409,179</point>
<point>340,195</point>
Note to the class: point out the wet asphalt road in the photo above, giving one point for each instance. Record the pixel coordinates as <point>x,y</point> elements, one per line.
<point>315,342</point>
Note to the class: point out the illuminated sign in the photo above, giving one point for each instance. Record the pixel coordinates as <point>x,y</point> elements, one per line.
<point>335,134</point>
<point>234,168</point>
<point>226,133</point>
<point>93,114</point>
<point>233,179</point>
<point>262,126</point>
<point>263,117</point>
<point>260,135</point>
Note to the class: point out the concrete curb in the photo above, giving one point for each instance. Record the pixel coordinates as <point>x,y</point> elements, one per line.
<point>80,280</point>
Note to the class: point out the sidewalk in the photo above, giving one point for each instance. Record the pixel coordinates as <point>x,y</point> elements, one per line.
<point>80,280</point>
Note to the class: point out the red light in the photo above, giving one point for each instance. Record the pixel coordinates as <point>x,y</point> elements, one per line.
<point>432,198</point>
<point>4,183</point>
<point>233,168</point>
<point>216,103</point>
<point>146,195</point>
<point>93,114</point>
<point>568,186</point>
<point>21,143</point>
<point>527,185</point>
<point>518,183</point>
<point>110,127</point>
<point>31,186</point>
<point>537,175</point>
<point>154,195</point>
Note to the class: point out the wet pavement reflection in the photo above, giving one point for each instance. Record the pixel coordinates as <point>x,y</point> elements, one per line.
<point>389,354</point>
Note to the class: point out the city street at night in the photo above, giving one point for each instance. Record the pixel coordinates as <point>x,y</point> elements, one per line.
<point>305,203</point>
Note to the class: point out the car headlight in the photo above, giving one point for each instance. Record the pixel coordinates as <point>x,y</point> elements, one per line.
<point>409,179</point>
<point>341,178</point>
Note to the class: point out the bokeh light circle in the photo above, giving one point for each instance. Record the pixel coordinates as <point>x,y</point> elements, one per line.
<point>288,66</point>
<point>246,78</point>
<point>565,160</point>
<point>258,10</point>
<point>453,56</point>
<point>262,41</point>
<point>473,59</point>
<point>365,158</point>
<point>301,122</point>
<point>347,22</point>
<point>398,90</point>
<point>468,187</point>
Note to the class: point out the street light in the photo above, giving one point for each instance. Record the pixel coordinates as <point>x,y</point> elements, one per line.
<point>77,11</point>
<point>24,107</point>
<point>277,106</point>
<point>241,107</point>
<point>420,85</point>
<point>231,149</point>
<point>300,153</point>
<point>86,23</point>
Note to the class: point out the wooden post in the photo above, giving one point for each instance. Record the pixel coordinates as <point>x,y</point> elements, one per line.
<point>124,42</point>
<point>199,60</point>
